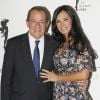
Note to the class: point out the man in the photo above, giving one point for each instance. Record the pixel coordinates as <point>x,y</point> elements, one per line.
<point>19,78</point>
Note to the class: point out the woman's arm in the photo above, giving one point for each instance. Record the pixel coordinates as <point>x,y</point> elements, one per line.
<point>75,76</point>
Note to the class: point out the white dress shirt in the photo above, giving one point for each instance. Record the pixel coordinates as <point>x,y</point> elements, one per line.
<point>40,45</point>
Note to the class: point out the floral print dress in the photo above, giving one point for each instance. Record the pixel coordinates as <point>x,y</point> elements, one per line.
<point>68,62</point>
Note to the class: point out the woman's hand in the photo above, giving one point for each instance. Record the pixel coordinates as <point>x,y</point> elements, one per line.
<point>49,76</point>
<point>83,85</point>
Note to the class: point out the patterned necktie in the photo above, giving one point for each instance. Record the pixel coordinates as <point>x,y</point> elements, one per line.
<point>36,58</point>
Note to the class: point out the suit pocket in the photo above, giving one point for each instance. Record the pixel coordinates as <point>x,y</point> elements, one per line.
<point>16,91</point>
<point>17,95</point>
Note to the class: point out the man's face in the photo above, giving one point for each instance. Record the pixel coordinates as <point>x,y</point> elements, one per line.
<point>37,23</point>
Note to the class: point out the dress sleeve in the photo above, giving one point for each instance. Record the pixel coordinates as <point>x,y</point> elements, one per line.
<point>85,61</point>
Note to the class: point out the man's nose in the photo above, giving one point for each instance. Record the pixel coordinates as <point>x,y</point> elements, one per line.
<point>37,24</point>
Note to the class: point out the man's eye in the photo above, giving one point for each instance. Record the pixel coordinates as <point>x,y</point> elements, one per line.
<point>57,21</point>
<point>42,22</point>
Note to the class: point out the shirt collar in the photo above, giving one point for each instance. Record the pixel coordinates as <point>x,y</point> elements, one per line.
<point>31,38</point>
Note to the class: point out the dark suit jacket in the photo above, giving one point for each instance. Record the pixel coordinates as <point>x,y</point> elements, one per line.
<point>19,81</point>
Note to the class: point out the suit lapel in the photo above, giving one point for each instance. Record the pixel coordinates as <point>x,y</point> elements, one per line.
<point>46,51</point>
<point>26,47</point>
<point>27,52</point>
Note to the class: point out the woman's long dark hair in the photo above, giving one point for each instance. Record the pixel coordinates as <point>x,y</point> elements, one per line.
<point>81,41</point>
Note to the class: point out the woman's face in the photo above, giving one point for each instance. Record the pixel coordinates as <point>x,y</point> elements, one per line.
<point>64,23</point>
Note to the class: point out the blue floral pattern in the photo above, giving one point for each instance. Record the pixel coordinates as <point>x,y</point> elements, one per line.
<point>68,61</point>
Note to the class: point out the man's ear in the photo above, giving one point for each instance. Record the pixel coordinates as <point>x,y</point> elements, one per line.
<point>27,23</point>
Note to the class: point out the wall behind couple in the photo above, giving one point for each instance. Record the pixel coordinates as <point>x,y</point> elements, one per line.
<point>13,22</point>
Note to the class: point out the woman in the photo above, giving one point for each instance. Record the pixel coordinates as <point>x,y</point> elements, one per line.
<point>74,59</point>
